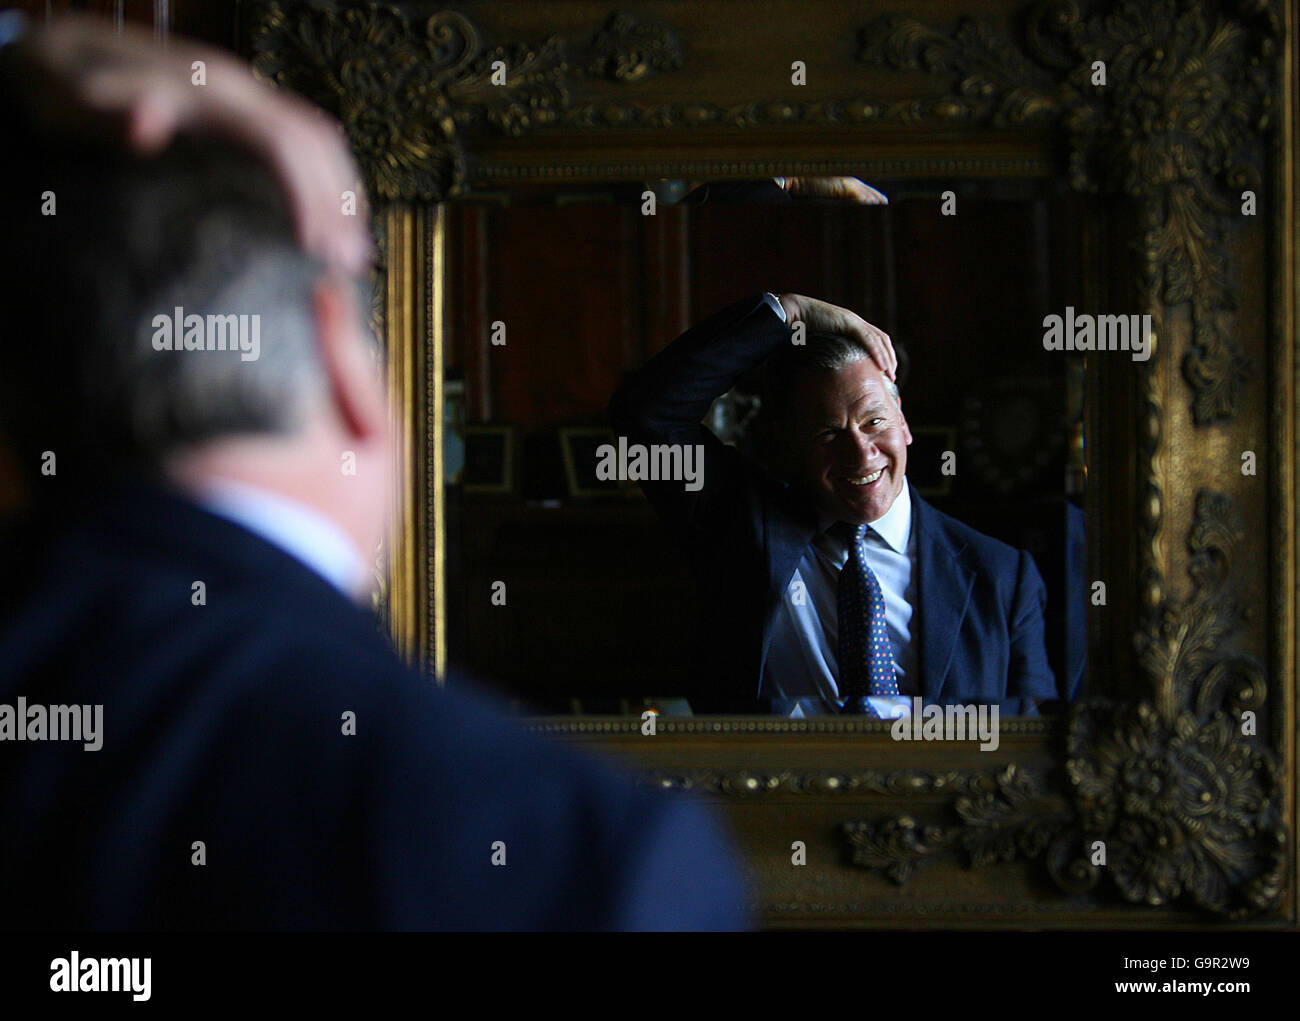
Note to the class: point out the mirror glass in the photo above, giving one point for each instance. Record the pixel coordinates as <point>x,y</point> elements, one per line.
<point>574,594</point>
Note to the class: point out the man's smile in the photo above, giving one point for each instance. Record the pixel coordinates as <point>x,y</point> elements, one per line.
<point>864,480</point>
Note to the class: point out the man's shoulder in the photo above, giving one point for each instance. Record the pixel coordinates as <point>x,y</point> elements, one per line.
<point>244,627</point>
<point>289,714</point>
<point>322,668</point>
<point>963,538</point>
<point>587,846</point>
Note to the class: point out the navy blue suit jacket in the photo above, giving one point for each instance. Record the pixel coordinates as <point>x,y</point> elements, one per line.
<point>980,613</point>
<point>223,723</point>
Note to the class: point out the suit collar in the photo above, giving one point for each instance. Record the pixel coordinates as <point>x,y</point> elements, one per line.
<point>894,527</point>
<point>295,528</point>
<point>148,513</point>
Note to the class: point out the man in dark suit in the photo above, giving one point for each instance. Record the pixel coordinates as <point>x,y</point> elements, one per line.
<point>827,584</point>
<point>237,745</point>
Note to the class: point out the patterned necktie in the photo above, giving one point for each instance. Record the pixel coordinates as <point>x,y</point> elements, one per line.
<point>866,653</point>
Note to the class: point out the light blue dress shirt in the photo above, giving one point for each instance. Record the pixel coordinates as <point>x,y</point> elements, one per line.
<point>802,660</point>
<point>301,531</point>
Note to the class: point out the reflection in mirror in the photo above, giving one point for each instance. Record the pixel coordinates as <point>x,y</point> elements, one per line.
<point>725,593</point>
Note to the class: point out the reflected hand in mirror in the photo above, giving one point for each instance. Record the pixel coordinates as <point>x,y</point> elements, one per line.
<point>779,190</point>
<point>845,189</point>
<point>823,317</point>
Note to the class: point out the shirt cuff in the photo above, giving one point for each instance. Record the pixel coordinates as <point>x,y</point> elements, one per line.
<point>775,304</point>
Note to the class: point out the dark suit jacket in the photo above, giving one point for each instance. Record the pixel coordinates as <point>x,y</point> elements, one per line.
<point>223,724</point>
<point>981,602</point>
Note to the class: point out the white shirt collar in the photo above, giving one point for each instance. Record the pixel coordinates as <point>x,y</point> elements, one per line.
<point>894,526</point>
<point>299,530</point>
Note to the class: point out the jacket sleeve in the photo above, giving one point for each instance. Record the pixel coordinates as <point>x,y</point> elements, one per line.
<point>588,848</point>
<point>682,873</point>
<point>666,400</point>
<point>1030,678</point>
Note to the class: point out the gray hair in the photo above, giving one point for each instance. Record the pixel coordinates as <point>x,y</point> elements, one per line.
<point>828,352</point>
<point>201,229</point>
<point>174,399</point>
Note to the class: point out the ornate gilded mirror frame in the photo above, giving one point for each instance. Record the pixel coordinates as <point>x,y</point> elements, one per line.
<point>1177,115</point>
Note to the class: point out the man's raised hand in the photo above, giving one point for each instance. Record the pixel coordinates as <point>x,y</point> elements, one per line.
<point>78,75</point>
<point>822,316</point>
<point>844,189</point>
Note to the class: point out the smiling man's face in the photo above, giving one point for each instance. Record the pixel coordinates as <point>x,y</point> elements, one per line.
<point>848,441</point>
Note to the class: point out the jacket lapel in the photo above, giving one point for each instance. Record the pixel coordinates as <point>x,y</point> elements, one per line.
<point>788,528</point>
<point>943,594</point>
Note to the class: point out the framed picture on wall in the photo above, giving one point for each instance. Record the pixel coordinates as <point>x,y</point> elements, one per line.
<point>580,446</point>
<point>490,459</point>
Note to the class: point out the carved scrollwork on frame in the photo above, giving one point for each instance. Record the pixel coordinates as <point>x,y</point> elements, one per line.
<point>1005,815</point>
<point>1184,806</point>
<point>407,90</point>
<point>625,51</point>
<point>405,94</point>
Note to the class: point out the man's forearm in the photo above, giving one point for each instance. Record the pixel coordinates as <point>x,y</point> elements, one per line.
<point>674,390</point>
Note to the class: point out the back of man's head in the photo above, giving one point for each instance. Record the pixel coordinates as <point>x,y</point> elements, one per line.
<point>122,281</point>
